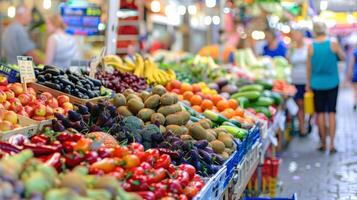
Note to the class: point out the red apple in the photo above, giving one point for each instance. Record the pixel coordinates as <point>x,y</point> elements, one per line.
<point>2,96</point>
<point>29,110</point>
<point>2,113</point>
<point>5,126</point>
<point>2,107</point>
<point>58,110</point>
<point>67,106</point>
<point>50,117</point>
<point>10,116</point>
<point>31,91</point>
<point>9,94</point>
<point>23,113</point>
<point>47,95</point>
<point>40,110</point>
<point>49,111</point>
<point>17,88</point>
<point>6,105</point>
<point>24,99</point>
<point>53,103</point>
<point>62,99</point>
<point>38,118</point>
<point>16,105</point>
<point>3,81</point>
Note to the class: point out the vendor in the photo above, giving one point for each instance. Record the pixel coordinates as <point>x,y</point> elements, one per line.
<point>16,40</point>
<point>274,46</point>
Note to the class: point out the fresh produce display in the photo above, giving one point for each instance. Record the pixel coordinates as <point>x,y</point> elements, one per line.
<point>148,173</point>
<point>24,177</point>
<point>223,87</point>
<point>8,120</point>
<point>284,88</point>
<point>119,81</point>
<point>145,68</point>
<point>69,82</point>
<point>29,104</point>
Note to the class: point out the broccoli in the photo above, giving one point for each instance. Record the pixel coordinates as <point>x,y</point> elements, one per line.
<point>133,124</point>
<point>148,131</point>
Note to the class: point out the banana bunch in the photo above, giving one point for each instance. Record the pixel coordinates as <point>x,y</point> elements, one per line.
<point>118,64</point>
<point>156,76</point>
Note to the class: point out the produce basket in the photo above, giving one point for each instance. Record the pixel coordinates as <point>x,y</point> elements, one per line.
<point>29,128</point>
<point>214,187</point>
<point>294,197</point>
<point>41,88</point>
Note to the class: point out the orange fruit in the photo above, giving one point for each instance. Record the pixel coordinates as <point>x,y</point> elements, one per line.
<point>232,103</point>
<point>196,88</point>
<point>230,111</point>
<point>216,98</point>
<point>208,96</point>
<point>197,108</point>
<point>227,114</point>
<point>214,108</point>
<point>207,104</point>
<point>168,87</point>
<point>185,87</point>
<point>176,84</point>
<point>239,112</point>
<point>222,105</point>
<point>196,100</point>
<point>187,95</point>
<point>180,97</point>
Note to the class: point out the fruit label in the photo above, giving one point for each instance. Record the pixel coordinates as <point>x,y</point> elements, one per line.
<point>27,73</point>
<point>96,60</point>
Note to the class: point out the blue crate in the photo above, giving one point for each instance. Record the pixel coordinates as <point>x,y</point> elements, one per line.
<point>294,197</point>
<point>214,188</point>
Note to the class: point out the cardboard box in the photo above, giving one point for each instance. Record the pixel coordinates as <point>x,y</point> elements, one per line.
<point>29,127</point>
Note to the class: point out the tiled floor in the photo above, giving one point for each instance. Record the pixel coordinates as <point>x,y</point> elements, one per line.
<point>319,176</point>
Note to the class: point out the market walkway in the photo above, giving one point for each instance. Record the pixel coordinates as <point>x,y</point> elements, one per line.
<point>318,176</point>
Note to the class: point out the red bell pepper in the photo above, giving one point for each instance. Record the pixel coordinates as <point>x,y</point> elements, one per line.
<point>164,161</point>
<point>191,170</point>
<point>18,139</point>
<point>157,175</point>
<point>73,159</point>
<point>106,165</point>
<point>8,148</point>
<point>41,149</point>
<point>54,160</point>
<point>39,139</point>
<point>147,195</point>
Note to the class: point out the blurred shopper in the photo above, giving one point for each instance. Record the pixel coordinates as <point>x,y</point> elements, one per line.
<point>274,46</point>
<point>164,41</point>
<point>322,77</point>
<point>297,56</point>
<point>61,47</point>
<point>16,40</point>
<point>352,75</point>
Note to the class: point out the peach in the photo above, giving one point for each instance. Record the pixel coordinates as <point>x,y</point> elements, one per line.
<point>5,126</point>
<point>10,116</point>
<point>40,110</point>
<point>62,99</point>
<point>17,88</point>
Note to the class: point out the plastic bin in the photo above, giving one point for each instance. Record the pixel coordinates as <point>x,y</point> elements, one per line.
<point>214,188</point>
<point>294,197</point>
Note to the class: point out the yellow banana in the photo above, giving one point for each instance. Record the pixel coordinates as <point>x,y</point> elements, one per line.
<point>171,73</point>
<point>130,63</point>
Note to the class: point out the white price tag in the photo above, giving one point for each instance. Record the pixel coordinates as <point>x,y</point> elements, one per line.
<point>292,107</point>
<point>27,73</point>
<point>96,60</point>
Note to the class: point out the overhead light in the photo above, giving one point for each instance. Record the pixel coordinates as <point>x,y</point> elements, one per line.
<point>285,29</point>
<point>207,20</point>
<point>47,4</point>
<point>350,18</point>
<point>170,10</point>
<point>182,10</point>
<point>101,27</point>
<point>11,11</point>
<point>216,20</point>
<point>155,6</point>
<point>192,9</point>
<point>194,22</point>
<point>210,3</point>
<point>258,35</point>
<point>323,4</point>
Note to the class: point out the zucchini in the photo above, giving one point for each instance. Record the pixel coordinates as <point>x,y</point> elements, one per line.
<point>214,117</point>
<point>252,87</point>
<point>235,122</point>
<point>263,101</point>
<point>250,95</point>
<point>228,123</point>
<point>235,131</point>
<point>194,119</point>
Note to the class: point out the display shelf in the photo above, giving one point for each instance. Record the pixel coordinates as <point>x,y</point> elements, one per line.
<point>127,37</point>
<point>129,23</point>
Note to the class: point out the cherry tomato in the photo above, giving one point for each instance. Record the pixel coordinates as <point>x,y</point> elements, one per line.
<point>68,146</point>
<point>147,195</point>
<point>191,170</point>
<point>135,171</point>
<point>164,161</point>
<point>190,191</point>
<point>104,152</point>
<point>136,147</point>
<point>141,155</point>
<point>131,161</point>
<point>117,175</point>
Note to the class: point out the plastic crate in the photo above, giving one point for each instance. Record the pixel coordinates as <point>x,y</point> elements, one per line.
<point>294,197</point>
<point>214,188</point>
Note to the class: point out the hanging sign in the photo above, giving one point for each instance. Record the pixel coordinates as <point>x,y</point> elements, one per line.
<point>96,60</point>
<point>27,73</point>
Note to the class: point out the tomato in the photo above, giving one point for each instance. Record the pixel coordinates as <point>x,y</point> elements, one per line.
<point>197,184</point>
<point>131,161</point>
<point>106,165</point>
<point>117,175</point>
<point>84,144</point>
<point>196,178</point>
<point>68,146</point>
<point>136,147</point>
<point>151,155</point>
<point>190,191</point>
<point>174,186</point>
<point>171,169</point>
<point>91,156</point>
<point>183,177</point>
<point>120,151</point>
<point>140,154</point>
<point>139,183</point>
<point>191,170</point>
<point>183,197</point>
<point>145,166</point>
<point>157,175</point>
<point>105,152</point>
<point>135,171</point>
<point>164,161</point>
<point>160,190</point>
<point>147,195</point>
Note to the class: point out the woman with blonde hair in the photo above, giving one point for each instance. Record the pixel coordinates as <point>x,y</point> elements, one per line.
<point>61,47</point>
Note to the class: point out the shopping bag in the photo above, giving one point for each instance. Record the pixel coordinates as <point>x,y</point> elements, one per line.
<point>309,107</point>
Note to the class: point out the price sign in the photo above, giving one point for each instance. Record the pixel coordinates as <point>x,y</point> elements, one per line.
<point>27,73</point>
<point>96,60</point>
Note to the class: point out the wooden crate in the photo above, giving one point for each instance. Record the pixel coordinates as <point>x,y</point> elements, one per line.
<point>28,129</point>
<point>41,88</point>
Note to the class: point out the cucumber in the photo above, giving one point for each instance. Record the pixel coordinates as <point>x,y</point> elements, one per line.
<point>263,110</point>
<point>191,111</point>
<point>265,84</point>
<point>243,102</point>
<point>250,95</point>
<point>228,123</point>
<point>214,117</point>
<point>263,101</point>
<point>253,87</point>
<point>235,131</point>
<point>235,122</point>
<point>278,99</point>
<point>194,119</point>
<point>267,93</point>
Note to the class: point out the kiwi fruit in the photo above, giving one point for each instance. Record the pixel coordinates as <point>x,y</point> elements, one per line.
<point>124,111</point>
<point>145,114</point>
<point>158,117</point>
<point>159,90</point>
<point>152,101</point>
<point>217,146</point>
<point>135,105</point>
